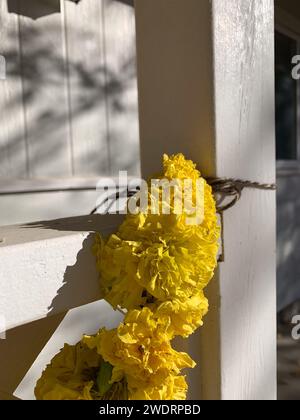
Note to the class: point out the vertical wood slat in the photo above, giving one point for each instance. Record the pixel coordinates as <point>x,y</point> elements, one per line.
<point>77,92</point>
<point>86,72</point>
<point>45,94</point>
<point>121,86</point>
<point>13,158</point>
<point>206,72</point>
<point>100,40</point>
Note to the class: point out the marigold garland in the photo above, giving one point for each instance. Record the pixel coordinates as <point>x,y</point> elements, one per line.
<point>155,267</point>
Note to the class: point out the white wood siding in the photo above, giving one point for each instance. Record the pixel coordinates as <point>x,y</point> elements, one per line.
<point>13,149</point>
<point>69,104</point>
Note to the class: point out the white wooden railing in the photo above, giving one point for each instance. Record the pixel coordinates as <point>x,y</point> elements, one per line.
<point>48,267</point>
<point>206,88</point>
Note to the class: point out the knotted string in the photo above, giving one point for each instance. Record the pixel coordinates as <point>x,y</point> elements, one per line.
<point>233,188</point>
<point>228,187</point>
<point>224,187</point>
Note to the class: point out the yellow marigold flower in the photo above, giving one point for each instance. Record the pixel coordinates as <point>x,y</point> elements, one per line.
<point>132,271</point>
<point>182,316</point>
<point>154,227</point>
<point>157,256</point>
<point>174,270</point>
<point>172,388</point>
<point>160,263</point>
<point>73,374</point>
<point>117,263</point>
<point>140,350</point>
<point>177,166</point>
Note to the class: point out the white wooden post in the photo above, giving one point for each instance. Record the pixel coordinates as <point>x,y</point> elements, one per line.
<point>206,88</point>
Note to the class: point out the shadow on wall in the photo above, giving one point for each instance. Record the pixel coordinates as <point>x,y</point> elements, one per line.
<point>91,85</point>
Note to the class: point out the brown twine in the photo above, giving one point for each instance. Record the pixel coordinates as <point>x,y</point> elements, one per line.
<point>227,187</point>
<point>224,187</point>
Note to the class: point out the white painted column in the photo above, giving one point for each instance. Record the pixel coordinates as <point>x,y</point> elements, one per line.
<point>206,88</point>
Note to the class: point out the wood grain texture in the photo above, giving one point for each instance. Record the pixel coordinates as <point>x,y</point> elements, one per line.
<point>206,88</point>
<point>13,153</point>
<point>244,86</point>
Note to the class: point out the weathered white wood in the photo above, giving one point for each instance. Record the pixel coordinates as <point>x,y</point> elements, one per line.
<point>206,88</point>
<point>48,267</point>
<point>45,85</point>
<point>13,157</point>
<point>118,24</point>
<point>86,72</point>
<point>245,96</point>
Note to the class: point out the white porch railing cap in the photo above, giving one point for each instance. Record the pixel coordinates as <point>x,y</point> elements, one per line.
<point>48,267</point>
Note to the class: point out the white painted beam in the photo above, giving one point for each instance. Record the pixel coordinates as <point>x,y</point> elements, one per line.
<point>48,267</point>
<point>206,88</point>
